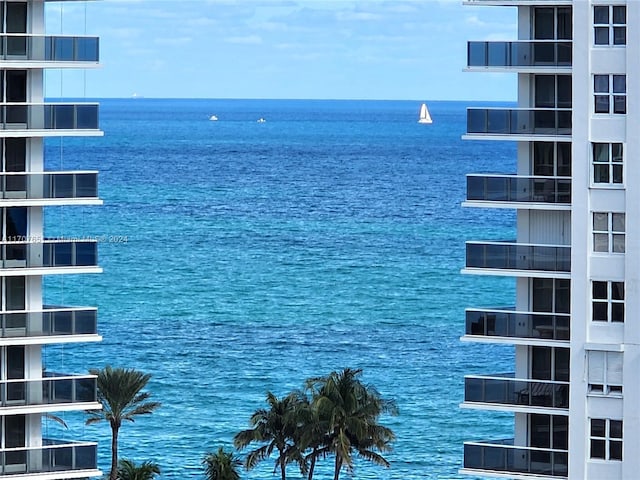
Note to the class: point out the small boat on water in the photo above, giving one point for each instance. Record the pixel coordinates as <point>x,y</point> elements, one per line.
<point>213,118</point>
<point>261,120</point>
<point>425,116</point>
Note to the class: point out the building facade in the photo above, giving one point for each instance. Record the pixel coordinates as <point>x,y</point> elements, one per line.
<point>31,392</point>
<point>574,395</point>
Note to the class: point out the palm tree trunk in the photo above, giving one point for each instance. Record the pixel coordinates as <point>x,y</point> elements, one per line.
<point>312,466</point>
<point>113,475</point>
<point>336,473</point>
<point>283,467</point>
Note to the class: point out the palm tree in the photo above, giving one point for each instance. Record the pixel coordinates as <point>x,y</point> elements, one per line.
<point>274,427</point>
<point>120,393</point>
<point>351,409</point>
<point>310,435</point>
<point>221,465</point>
<point>128,470</point>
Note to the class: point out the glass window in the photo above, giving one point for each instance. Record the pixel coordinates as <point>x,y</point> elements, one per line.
<point>15,293</point>
<point>548,431</point>
<point>552,23</point>
<point>561,364</point>
<point>610,25</point>
<point>560,432</point>
<point>607,301</point>
<point>607,163</point>
<point>619,94</point>
<point>564,91</point>
<point>549,363</point>
<point>545,91</point>
<point>543,162</point>
<point>563,296</point>
<point>610,91</point>
<point>552,159</point>
<point>601,15</point>
<point>619,83</point>
<point>541,363</point>
<point>608,232</point>
<point>601,83</point>
<point>553,91</point>
<point>564,159</point>
<point>14,436</point>
<point>550,295</point>
<point>15,154</point>
<point>15,224</point>
<point>606,439</point>
<point>543,23</point>
<point>618,229</point>
<point>540,431</point>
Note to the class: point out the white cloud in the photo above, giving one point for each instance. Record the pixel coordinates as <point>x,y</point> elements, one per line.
<point>245,40</point>
<point>358,16</point>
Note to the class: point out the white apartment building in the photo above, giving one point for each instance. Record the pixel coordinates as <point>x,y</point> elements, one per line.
<point>31,391</point>
<point>574,393</point>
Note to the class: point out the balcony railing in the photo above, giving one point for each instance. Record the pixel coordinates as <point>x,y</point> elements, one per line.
<point>518,256</point>
<point>533,53</point>
<point>512,188</point>
<point>512,324</point>
<point>513,121</point>
<point>502,456</point>
<point>53,457</point>
<point>55,389</point>
<point>51,321</point>
<point>41,48</point>
<point>50,116</point>
<point>49,253</point>
<point>507,390</point>
<point>48,185</point>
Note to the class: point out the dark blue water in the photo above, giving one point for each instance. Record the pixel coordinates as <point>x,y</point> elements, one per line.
<point>241,257</point>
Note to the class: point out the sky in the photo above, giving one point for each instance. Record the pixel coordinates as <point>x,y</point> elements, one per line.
<point>300,49</point>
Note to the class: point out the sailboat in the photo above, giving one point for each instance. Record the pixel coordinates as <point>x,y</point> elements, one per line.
<point>425,117</point>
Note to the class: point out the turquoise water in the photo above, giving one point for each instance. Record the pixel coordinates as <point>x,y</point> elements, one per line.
<point>242,257</point>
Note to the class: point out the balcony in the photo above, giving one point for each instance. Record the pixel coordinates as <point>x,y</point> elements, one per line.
<point>519,189</point>
<point>22,188</point>
<point>54,389</point>
<point>61,458</point>
<point>518,123</point>
<point>509,391</point>
<point>512,256</point>
<point>50,322</point>
<point>21,48</point>
<point>523,325</point>
<point>504,457</point>
<point>48,254</point>
<point>19,119</point>
<point>520,55</point>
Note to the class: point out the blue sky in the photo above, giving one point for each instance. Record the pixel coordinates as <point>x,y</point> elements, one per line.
<point>325,49</point>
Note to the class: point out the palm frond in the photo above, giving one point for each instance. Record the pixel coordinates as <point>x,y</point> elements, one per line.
<point>256,456</point>
<point>128,470</point>
<point>374,457</point>
<point>221,465</point>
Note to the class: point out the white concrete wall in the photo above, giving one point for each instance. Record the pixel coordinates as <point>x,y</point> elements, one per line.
<point>580,227</point>
<point>631,366</point>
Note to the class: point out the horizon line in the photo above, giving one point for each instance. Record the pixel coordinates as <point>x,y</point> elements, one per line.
<point>133,98</point>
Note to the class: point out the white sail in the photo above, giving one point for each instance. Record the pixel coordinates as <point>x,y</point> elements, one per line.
<point>425,117</point>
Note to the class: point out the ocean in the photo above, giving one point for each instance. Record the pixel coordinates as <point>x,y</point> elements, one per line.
<point>243,257</point>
